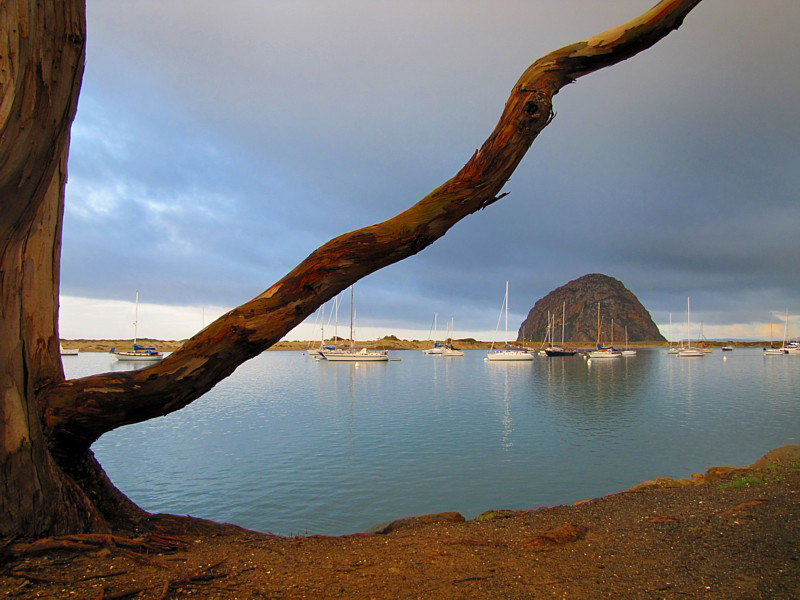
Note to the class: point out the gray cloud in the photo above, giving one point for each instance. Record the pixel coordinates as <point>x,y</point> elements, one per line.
<point>233,142</point>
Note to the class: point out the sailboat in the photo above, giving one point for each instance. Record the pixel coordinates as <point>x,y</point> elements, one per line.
<point>782,350</point>
<point>139,353</point>
<point>507,353</point>
<point>791,347</point>
<point>627,352</point>
<point>672,349</point>
<point>437,348</point>
<point>548,337</point>
<point>318,351</point>
<point>560,350</point>
<point>351,354</point>
<point>448,349</point>
<point>703,343</point>
<point>603,351</point>
<point>688,351</point>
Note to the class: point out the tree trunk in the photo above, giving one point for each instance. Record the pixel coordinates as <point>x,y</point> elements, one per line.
<point>41,63</point>
<point>49,479</point>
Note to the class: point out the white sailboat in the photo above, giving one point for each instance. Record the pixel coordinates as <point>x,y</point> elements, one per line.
<point>627,351</point>
<point>437,348</point>
<point>139,353</point>
<point>351,354</point>
<point>688,351</point>
<point>318,351</point>
<point>603,351</point>
<point>507,353</point>
<point>448,349</point>
<point>791,347</point>
<point>672,349</point>
<point>782,350</point>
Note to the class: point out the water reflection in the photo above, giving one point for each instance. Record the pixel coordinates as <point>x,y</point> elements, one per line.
<point>288,444</point>
<point>503,377</point>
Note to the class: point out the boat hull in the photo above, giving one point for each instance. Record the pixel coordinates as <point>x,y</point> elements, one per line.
<point>356,356</point>
<point>452,352</point>
<point>138,356</point>
<point>691,353</point>
<point>502,356</point>
<point>553,352</point>
<point>603,354</point>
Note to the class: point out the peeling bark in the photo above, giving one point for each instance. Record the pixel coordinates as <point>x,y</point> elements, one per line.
<point>41,63</point>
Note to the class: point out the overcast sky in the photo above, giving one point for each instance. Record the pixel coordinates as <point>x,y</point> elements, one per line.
<point>216,146</point>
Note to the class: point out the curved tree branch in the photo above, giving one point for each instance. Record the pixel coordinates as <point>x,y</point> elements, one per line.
<point>77,412</point>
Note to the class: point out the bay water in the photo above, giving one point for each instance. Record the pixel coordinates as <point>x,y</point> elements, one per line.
<point>292,445</point>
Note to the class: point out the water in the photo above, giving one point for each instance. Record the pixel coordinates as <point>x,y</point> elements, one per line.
<point>290,445</point>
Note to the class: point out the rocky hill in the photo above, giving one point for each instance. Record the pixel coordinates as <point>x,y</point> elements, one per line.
<point>581,297</point>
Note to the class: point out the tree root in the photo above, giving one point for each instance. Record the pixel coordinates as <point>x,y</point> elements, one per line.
<point>153,543</point>
<point>39,579</point>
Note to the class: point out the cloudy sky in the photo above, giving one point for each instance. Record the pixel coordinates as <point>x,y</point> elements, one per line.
<point>215,148</point>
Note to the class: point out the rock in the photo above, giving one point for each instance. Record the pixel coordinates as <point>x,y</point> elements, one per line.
<point>563,534</point>
<point>581,297</point>
<point>719,474</point>
<point>446,517</point>
<point>742,507</point>
<point>785,457</point>
<point>663,482</point>
<point>491,515</point>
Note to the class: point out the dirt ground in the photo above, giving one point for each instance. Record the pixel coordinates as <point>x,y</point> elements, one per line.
<point>731,533</point>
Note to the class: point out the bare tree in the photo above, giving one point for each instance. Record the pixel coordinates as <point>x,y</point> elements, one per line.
<point>50,481</point>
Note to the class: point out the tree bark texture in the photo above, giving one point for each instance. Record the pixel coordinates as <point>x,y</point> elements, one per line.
<point>41,72</point>
<point>41,65</point>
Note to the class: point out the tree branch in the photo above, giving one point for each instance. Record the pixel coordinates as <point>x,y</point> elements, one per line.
<point>77,412</point>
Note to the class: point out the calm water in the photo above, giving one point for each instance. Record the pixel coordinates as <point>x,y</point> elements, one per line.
<point>290,445</point>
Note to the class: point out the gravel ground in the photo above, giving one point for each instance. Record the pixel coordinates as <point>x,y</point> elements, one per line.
<point>732,533</point>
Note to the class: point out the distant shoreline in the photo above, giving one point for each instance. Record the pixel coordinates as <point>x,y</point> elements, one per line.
<point>388,343</point>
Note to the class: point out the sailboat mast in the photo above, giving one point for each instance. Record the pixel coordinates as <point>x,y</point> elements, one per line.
<point>598,325</point>
<point>563,321</point>
<point>322,328</point>
<point>336,324</point>
<point>352,309</point>
<point>688,323</point>
<point>785,329</point>
<point>506,303</point>
<point>670,330</point>
<point>136,320</point>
